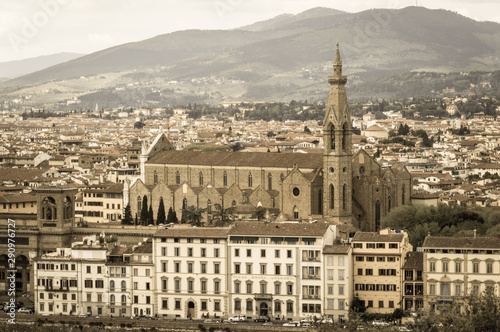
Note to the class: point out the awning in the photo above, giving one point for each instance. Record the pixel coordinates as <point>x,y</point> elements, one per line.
<point>308,239</point>
<point>291,239</point>
<point>277,239</point>
<point>251,238</point>
<point>236,238</point>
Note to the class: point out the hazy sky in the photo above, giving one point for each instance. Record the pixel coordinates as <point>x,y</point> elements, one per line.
<point>30,28</point>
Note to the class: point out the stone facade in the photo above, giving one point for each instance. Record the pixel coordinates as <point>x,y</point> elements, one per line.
<point>333,185</point>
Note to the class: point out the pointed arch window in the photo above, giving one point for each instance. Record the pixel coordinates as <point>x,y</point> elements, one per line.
<point>270,181</point>
<point>209,206</point>
<point>233,204</point>
<point>177,178</point>
<point>403,194</point>
<point>344,137</point>
<point>155,177</point>
<point>332,196</point>
<point>389,204</point>
<point>332,136</point>
<point>344,189</point>
<point>139,204</point>
<point>201,179</point>
<point>224,179</point>
<point>250,180</point>
<point>320,201</point>
<point>377,215</point>
<point>184,203</point>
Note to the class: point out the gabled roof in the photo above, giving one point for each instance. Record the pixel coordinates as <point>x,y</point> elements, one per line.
<point>248,159</point>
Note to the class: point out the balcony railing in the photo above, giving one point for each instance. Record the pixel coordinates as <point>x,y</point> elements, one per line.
<point>310,276</point>
<point>310,296</point>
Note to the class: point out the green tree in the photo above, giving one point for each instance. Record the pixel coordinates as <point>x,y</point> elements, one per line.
<point>144,210</point>
<point>139,125</point>
<point>170,216</point>
<point>222,216</point>
<point>192,215</point>
<point>127,215</point>
<point>160,217</point>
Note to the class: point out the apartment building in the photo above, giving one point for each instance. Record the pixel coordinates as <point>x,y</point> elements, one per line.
<point>337,280</point>
<point>276,268</point>
<point>377,261</point>
<point>413,282</point>
<point>457,267</point>
<point>71,281</point>
<point>119,274</point>
<point>142,278</point>
<point>191,272</point>
<point>103,203</point>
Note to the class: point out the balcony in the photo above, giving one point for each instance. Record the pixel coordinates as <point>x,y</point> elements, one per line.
<point>310,276</point>
<point>310,259</point>
<point>263,296</point>
<point>444,298</point>
<point>310,296</point>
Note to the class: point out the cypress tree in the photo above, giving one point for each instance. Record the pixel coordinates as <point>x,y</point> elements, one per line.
<point>160,217</point>
<point>150,220</point>
<point>144,210</point>
<point>127,216</point>
<point>170,216</point>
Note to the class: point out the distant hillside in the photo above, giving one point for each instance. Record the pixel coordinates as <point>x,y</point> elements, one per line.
<point>287,57</point>
<point>23,67</point>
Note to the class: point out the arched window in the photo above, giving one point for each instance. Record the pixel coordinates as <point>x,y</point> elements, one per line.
<point>224,179</point>
<point>320,201</point>
<point>389,204</point>
<point>295,213</point>
<point>250,180</point>
<point>124,299</point>
<point>184,203</point>
<point>270,181</point>
<point>112,299</point>
<point>139,204</point>
<point>201,179</point>
<point>332,197</point>
<point>377,215</point>
<point>344,136</point>
<point>67,208</point>
<point>233,204</point>
<point>155,177</point>
<point>403,194</point>
<point>124,286</point>
<point>112,285</point>
<point>49,214</point>
<point>332,136</point>
<point>177,178</point>
<point>344,188</point>
<point>209,206</point>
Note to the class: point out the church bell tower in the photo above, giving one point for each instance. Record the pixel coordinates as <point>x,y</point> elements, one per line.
<point>337,149</point>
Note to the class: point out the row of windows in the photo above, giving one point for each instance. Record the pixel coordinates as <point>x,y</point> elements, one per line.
<point>204,305</point>
<point>49,266</point>
<point>381,304</point>
<point>263,269</point>
<point>50,296</point>
<point>190,240</point>
<point>201,181</point>
<point>190,252</point>
<point>381,272</point>
<point>445,267</point>
<point>277,306</point>
<point>190,267</point>
<point>17,205</point>
<point>64,283</point>
<point>191,285</point>
<point>378,245</point>
<point>50,307</point>
<point>340,291</point>
<point>379,259</point>
<point>263,289</point>
<point>340,260</point>
<point>446,287</point>
<point>375,287</point>
<point>340,305</point>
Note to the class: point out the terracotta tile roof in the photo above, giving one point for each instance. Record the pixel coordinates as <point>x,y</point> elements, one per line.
<point>279,229</point>
<point>249,159</point>
<point>336,249</point>
<point>203,232</point>
<point>376,237</point>
<point>462,242</point>
<point>118,251</point>
<point>144,248</point>
<point>414,260</point>
<point>17,198</point>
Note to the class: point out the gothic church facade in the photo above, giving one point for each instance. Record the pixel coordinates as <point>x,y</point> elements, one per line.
<point>336,185</point>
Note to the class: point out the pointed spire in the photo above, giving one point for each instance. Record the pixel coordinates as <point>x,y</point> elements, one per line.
<point>338,60</point>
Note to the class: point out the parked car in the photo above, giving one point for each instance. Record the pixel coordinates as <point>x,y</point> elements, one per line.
<point>24,311</point>
<point>262,319</point>
<point>379,323</point>
<point>403,329</point>
<point>237,318</point>
<point>306,324</point>
<point>295,324</point>
<point>327,321</point>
